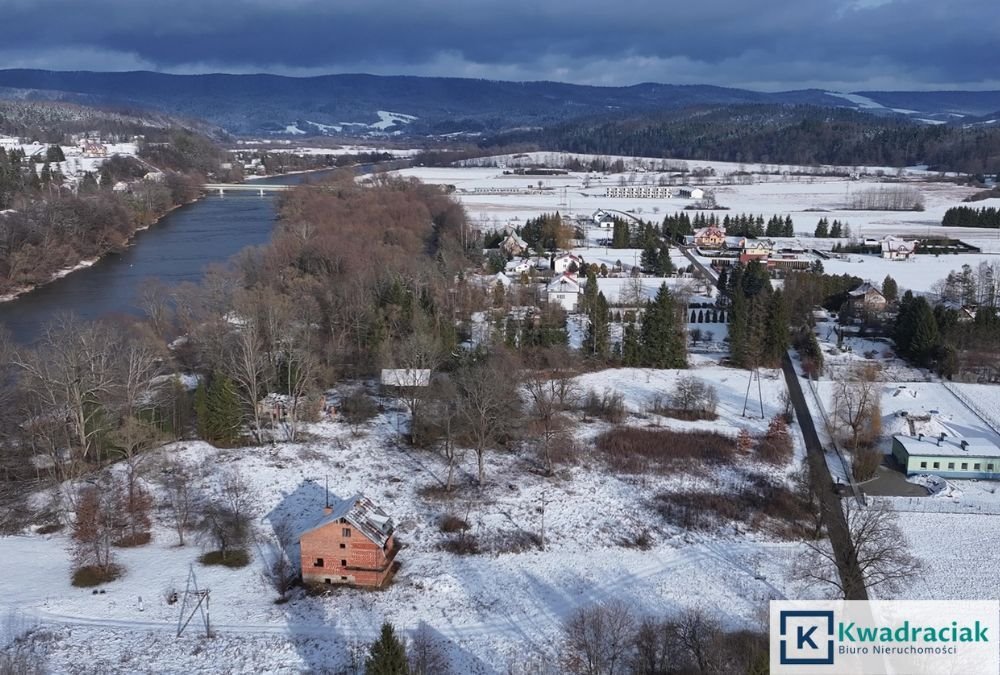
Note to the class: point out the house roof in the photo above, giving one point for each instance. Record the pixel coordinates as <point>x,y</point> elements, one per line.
<point>516,238</point>
<point>951,446</point>
<point>564,283</point>
<point>863,290</point>
<point>363,514</point>
<point>895,244</point>
<point>710,231</point>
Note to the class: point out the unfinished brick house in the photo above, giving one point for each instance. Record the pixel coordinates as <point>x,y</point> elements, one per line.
<point>352,543</point>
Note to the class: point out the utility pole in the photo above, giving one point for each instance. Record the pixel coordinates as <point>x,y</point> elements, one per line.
<point>545,502</point>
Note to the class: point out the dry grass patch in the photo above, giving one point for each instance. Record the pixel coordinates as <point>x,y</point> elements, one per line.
<point>638,450</point>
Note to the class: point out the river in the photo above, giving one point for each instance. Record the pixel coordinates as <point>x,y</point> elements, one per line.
<point>175,249</point>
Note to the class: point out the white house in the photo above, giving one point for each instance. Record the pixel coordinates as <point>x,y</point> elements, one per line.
<point>517,266</point>
<point>564,261</point>
<point>502,279</point>
<point>894,248</point>
<point>691,192</point>
<point>603,219</point>
<point>563,290</point>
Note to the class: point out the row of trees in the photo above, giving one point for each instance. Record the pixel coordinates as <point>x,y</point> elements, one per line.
<point>547,232</point>
<point>887,198</point>
<point>835,230</point>
<point>758,316</point>
<point>655,338</point>
<point>967,216</point>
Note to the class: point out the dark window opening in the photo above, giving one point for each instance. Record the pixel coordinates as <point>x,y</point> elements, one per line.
<point>318,563</point>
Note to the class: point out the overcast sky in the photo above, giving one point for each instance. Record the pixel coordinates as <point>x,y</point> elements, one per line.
<point>757,44</point>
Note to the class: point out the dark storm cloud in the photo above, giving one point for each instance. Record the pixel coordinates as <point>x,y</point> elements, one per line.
<point>766,43</point>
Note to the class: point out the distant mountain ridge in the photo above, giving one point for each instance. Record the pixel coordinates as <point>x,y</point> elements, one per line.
<point>373,104</point>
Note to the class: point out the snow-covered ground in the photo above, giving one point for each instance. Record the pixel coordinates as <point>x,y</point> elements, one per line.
<point>486,608</point>
<point>959,553</point>
<point>805,198</point>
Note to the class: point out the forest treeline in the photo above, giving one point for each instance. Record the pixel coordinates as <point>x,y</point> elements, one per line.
<point>967,216</point>
<point>802,135</point>
<point>47,225</point>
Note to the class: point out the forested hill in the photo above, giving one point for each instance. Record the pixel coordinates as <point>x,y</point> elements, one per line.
<point>775,134</point>
<point>357,104</point>
<point>50,121</point>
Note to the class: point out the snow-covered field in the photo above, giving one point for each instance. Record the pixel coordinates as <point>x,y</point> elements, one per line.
<point>487,609</point>
<point>805,198</point>
<point>959,553</point>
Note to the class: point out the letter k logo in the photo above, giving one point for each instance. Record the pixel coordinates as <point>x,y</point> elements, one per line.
<point>803,636</point>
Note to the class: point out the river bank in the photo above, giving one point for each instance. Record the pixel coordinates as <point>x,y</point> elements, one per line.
<point>184,243</point>
<point>89,262</point>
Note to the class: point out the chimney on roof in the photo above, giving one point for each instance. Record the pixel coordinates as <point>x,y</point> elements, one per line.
<point>327,509</point>
<point>920,437</point>
<point>965,444</point>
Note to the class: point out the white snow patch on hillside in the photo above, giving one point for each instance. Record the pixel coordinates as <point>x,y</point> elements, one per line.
<point>860,101</point>
<point>390,119</point>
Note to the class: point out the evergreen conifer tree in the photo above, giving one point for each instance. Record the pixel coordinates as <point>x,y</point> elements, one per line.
<point>222,410</point>
<point>663,343</point>
<point>631,350</point>
<point>387,655</point>
<point>890,289</point>
<point>596,341</point>
<point>926,337</point>
<point>775,329</point>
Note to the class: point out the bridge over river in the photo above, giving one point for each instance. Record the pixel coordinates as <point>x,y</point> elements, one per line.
<point>259,188</point>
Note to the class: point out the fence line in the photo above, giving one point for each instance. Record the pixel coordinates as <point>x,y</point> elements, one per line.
<point>970,506</point>
<point>981,414</point>
<point>833,441</point>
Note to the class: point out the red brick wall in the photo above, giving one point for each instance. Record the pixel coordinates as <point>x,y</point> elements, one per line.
<point>359,551</point>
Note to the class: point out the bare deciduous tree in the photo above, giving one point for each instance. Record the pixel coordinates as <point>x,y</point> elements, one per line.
<point>548,397</point>
<point>94,529</point>
<point>425,655</point>
<point>227,517</point>
<point>155,301</point>
<point>279,572</point>
<point>489,404</point>
<point>246,364</point>
<point>418,352</point>
<point>598,640</point>
<point>178,481</point>
<point>856,401</point>
<point>884,559</point>
<point>695,396</point>
<point>72,370</point>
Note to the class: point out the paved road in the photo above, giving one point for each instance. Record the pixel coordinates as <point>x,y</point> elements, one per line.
<point>704,271</point>
<point>822,485</point>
